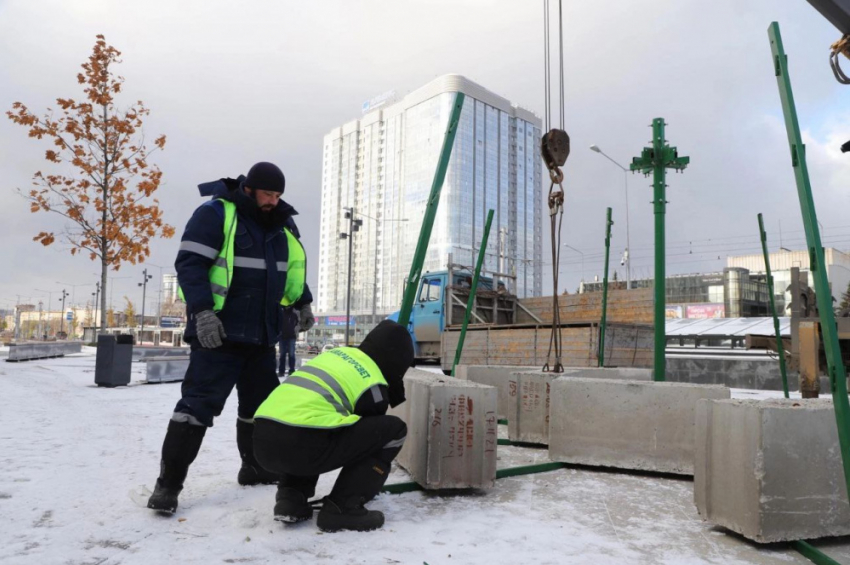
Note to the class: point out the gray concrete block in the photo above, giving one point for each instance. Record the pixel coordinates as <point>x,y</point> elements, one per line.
<point>42,350</point>
<point>528,410</point>
<point>451,431</point>
<point>626,424</point>
<point>528,406</point>
<point>143,353</point>
<point>502,377</point>
<point>168,369</point>
<point>770,470</point>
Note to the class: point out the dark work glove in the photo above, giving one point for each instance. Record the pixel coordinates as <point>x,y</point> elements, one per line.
<point>395,391</point>
<point>210,329</point>
<point>306,319</point>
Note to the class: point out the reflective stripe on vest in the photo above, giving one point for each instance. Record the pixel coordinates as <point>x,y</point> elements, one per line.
<point>221,272</point>
<point>323,393</point>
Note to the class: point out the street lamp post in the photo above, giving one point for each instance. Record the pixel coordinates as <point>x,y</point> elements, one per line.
<point>144,284</point>
<point>49,294</point>
<point>626,257</point>
<point>96,295</point>
<point>353,226</point>
<point>62,317</point>
<point>582,261</point>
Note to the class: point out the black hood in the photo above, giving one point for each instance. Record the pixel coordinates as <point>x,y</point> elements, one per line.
<point>231,189</point>
<point>389,345</point>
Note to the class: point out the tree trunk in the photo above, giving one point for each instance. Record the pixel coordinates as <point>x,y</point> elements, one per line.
<point>103,267</point>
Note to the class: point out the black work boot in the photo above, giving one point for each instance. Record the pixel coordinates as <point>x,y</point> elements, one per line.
<point>251,473</point>
<point>291,506</point>
<point>179,449</point>
<point>348,515</point>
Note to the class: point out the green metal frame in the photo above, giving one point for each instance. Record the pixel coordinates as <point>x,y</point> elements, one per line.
<point>835,366</point>
<point>813,554</point>
<point>470,303</point>
<point>779,348</point>
<point>656,160</point>
<point>601,353</point>
<point>430,213</point>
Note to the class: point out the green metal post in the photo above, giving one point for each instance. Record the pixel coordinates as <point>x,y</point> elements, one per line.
<point>601,354</point>
<point>470,303</point>
<point>779,348</point>
<point>835,366</point>
<point>430,213</point>
<point>656,160</point>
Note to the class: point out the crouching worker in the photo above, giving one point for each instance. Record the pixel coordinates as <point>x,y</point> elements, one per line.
<point>331,413</point>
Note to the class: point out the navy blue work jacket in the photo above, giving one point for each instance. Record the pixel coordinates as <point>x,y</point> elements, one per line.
<point>252,312</point>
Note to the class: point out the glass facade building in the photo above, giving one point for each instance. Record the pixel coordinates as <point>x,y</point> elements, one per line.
<point>383,166</point>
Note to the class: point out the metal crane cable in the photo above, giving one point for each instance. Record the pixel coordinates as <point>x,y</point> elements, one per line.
<point>554,149</point>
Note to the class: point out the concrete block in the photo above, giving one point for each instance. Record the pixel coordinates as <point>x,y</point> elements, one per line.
<point>496,376</point>
<point>168,369</point>
<point>626,424</point>
<point>502,377</point>
<point>528,409</point>
<point>143,353</point>
<point>42,350</point>
<point>451,431</point>
<point>770,470</point>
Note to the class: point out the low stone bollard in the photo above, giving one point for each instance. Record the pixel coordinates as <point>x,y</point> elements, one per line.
<point>626,424</point>
<point>770,470</point>
<point>169,369</point>
<point>452,432</point>
<point>42,350</point>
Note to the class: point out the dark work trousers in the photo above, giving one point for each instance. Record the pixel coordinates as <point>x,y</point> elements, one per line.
<point>287,348</point>
<point>212,374</point>
<point>364,450</point>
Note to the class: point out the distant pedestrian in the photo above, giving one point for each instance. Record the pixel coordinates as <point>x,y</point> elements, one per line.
<point>288,335</point>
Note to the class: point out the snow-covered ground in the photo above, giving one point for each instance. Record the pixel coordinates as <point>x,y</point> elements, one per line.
<point>76,461</point>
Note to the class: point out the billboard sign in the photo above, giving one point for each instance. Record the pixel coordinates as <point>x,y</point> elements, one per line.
<point>378,101</point>
<point>170,321</point>
<point>674,312</point>
<point>706,311</point>
<point>337,320</point>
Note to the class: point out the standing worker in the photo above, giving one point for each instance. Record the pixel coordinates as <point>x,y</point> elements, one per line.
<point>240,262</point>
<point>288,334</point>
<point>328,414</point>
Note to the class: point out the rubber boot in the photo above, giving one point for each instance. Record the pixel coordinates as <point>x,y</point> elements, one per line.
<point>291,506</point>
<point>179,449</point>
<point>348,515</point>
<point>251,473</point>
<point>355,486</point>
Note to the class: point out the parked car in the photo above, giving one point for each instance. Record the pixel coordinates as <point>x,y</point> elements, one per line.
<point>313,350</point>
<point>327,347</point>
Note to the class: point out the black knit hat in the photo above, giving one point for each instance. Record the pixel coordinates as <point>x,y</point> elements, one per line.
<point>265,176</point>
<point>391,348</point>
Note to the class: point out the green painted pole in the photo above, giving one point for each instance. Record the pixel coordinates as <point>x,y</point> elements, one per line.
<point>430,213</point>
<point>813,554</point>
<point>601,353</point>
<point>656,160</point>
<point>835,366</point>
<point>470,303</point>
<point>779,348</point>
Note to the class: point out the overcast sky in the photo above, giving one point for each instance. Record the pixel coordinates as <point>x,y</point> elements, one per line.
<point>233,83</point>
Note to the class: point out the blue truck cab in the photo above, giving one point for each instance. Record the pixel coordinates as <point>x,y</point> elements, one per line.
<point>428,317</point>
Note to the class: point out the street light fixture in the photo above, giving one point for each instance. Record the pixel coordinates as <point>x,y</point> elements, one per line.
<point>144,284</point>
<point>353,226</point>
<point>626,257</point>
<point>96,295</point>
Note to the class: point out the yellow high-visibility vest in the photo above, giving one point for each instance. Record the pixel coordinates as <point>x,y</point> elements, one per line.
<point>323,392</point>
